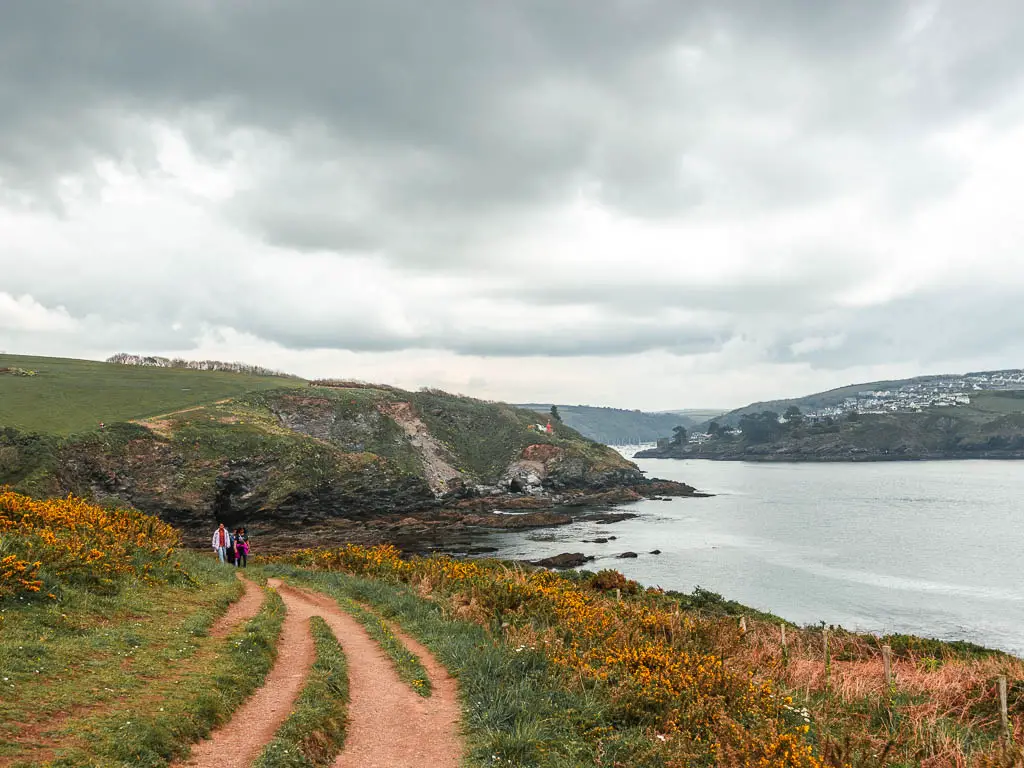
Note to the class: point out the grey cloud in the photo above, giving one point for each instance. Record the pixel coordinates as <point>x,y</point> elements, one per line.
<point>423,134</point>
<point>929,327</point>
<point>510,107</point>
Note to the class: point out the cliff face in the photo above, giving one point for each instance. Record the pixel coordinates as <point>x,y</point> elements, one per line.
<point>305,456</point>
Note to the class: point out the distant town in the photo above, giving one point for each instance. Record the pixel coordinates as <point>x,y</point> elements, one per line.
<point>912,395</point>
<point>918,394</point>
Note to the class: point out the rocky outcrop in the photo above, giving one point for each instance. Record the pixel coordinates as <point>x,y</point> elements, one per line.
<point>564,560</point>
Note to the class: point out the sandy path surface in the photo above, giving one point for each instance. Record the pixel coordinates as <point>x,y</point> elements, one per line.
<point>243,609</point>
<point>389,726</point>
<point>254,724</point>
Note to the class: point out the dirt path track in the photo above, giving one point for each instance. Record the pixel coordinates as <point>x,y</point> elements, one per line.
<point>389,726</point>
<point>243,609</point>
<point>254,724</point>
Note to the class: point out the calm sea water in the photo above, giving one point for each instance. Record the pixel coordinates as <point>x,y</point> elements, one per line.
<point>929,548</point>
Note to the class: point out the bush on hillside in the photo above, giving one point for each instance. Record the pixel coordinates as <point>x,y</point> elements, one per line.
<point>70,541</point>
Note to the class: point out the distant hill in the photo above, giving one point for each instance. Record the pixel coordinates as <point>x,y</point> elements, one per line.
<point>616,426</point>
<point>942,417</point>
<point>61,396</point>
<point>923,389</point>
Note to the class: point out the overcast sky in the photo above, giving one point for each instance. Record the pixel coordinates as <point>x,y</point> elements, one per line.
<point>640,203</point>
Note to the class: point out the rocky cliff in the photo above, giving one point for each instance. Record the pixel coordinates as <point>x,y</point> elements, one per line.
<point>346,455</point>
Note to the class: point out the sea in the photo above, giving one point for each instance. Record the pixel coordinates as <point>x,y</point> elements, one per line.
<point>932,548</point>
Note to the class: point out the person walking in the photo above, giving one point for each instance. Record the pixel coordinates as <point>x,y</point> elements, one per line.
<point>241,548</point>
<point>221,542</point>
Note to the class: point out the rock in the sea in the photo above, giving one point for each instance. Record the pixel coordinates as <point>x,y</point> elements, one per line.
<point>595,541</point>
<point>655,551</point>
<point>628,554</point>
<point>564,560</point>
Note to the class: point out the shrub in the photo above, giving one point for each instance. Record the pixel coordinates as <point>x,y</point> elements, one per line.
<point>72,541</point>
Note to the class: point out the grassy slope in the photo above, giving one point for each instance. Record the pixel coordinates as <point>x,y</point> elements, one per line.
<point>994,421</point>
<point>83,671</point>
<point>69,396</point>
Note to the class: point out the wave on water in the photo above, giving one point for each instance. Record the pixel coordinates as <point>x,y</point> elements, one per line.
<point>906,584</point>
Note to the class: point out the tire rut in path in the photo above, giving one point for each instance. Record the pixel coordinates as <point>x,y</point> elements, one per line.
<point>240,611</point>
<point>389,726</point>
<point>253,725</point>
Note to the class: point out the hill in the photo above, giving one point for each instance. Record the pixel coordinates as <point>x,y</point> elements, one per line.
<point>892,395</point>
<point>60,396</point>
<point>991,425</point>
<point>367,459</point>
<point>616,426</point>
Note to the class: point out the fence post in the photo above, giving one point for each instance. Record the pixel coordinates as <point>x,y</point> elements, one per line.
<point>1002,704</point>
<point>828,660</point>
<point>887,663</point>
<point>743,624</point>
<point>785,648</point>
<point>618,595</point>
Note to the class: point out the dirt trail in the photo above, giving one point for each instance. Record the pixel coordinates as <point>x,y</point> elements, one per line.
<point>254,724</point>
<point>240,611</point>
<point>389,726</point>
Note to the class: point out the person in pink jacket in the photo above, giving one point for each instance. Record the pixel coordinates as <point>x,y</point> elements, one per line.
<point>221,542</point>
<point>241,548</point>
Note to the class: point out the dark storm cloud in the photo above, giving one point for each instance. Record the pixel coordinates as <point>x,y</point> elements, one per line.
<point>425,135</point>
<point>508,105</point>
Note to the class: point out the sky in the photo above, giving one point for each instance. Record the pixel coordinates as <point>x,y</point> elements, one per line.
<point>635,203</point>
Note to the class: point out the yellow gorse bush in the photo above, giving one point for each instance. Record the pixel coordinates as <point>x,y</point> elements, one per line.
<point>642,654</point>
<point>75,541</point>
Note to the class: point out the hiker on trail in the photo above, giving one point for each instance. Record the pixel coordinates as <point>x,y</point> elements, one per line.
<point>221,542</point>
<point>241,548</point>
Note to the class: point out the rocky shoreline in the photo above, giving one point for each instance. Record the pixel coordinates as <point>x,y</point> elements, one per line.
<point>452,526</point>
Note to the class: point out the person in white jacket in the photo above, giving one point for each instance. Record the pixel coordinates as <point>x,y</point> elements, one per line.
<point>221,542</point>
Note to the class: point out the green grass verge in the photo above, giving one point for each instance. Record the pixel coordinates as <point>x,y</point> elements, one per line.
<point>90,650</point>
<point>314,733</point>
<point>189,708</point>
<point>68,396</point>
<point>517,710</point>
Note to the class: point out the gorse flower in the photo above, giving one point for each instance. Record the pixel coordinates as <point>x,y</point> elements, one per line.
<point>641,654</point>
<point>77,542</point>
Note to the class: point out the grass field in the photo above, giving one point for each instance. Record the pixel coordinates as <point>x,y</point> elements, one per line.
<point>70,396</point>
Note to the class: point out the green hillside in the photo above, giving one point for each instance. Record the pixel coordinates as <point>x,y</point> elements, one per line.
<point>922,388</point>
<point>991,426</point>
<point>195,447</point>
<point>68,396</point>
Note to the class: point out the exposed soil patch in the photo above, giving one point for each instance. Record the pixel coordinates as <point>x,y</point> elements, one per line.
<point>440,474</point>
<point>243,609</point>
